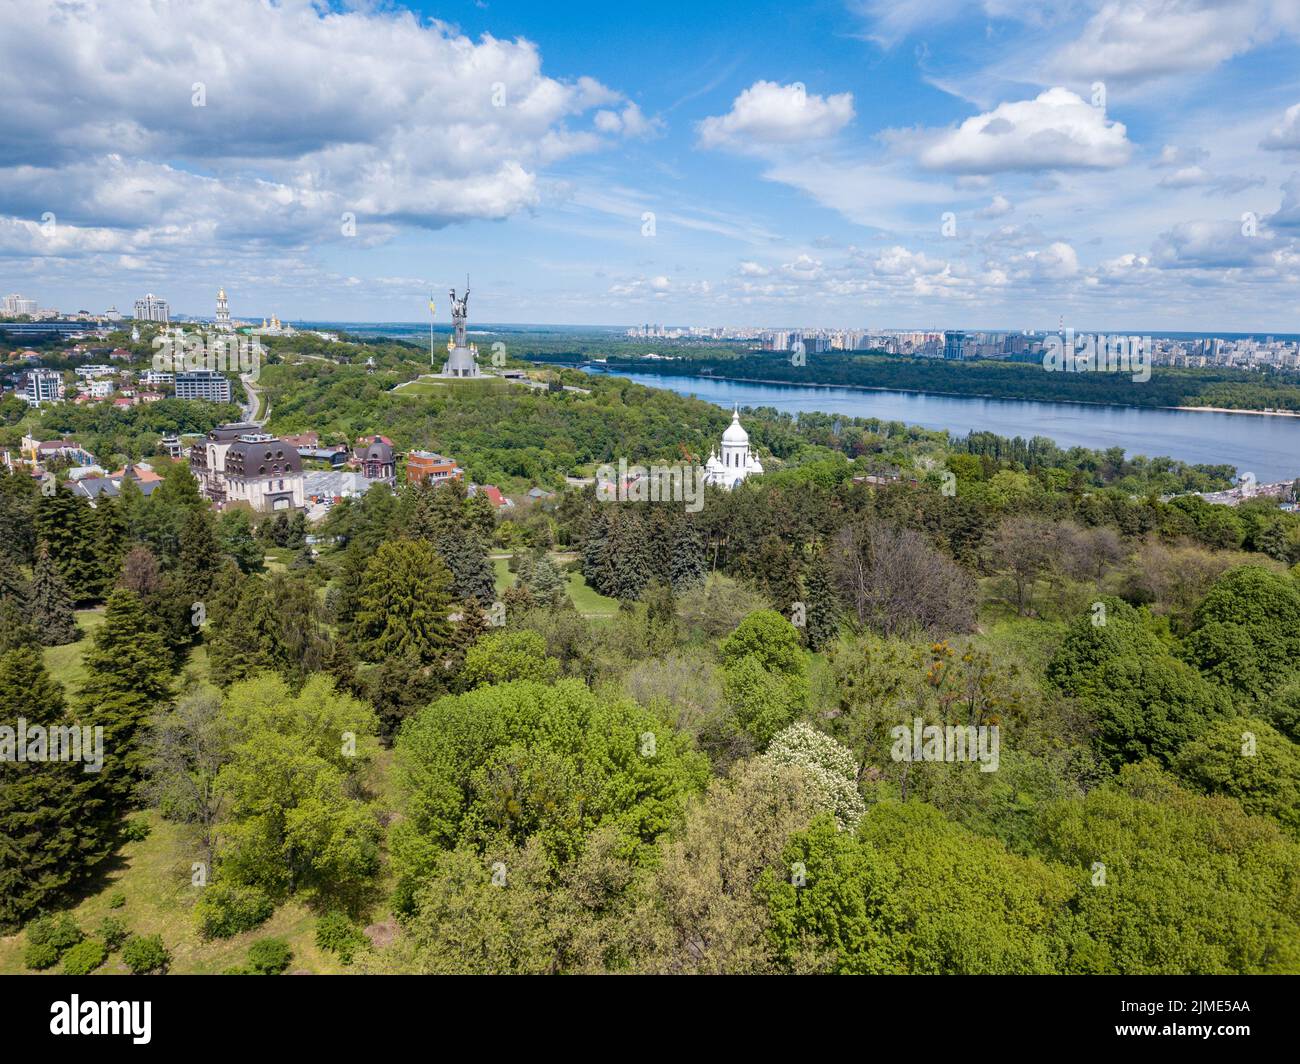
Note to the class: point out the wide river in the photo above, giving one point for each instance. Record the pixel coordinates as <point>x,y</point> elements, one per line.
<point>1264,445</point>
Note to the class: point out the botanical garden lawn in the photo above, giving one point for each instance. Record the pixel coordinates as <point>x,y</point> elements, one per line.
<point>154,874</point>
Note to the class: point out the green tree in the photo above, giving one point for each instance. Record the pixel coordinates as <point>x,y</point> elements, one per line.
<point>1145,701</point>
<point>523,760</point>
<point>53,825</point>
<point>1170,882</point>
<point>1246,759</point>
<point>404,603</point>
<point>503,657</point>
<point>50,603</point>
<point>127,681</point>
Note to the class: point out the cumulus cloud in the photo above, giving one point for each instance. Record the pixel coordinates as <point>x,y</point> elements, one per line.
<point>1055,130</point>
<point>768,114</point>
<point>631,122</point>
<point>1285,136</point>
<point>1133,41</point>
<point>1212,245</point>
<point>996,209</point>
<point>238,120</point>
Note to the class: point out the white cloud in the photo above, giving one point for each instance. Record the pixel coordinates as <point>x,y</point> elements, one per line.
<point>996,209</point>
<point>1133,41</point>
<point>1213,245</point>
<point>631,122</point>
<point>768,114</point>
<point>1055,130</point>
<point>1285,136</point>
<point>306,113</point>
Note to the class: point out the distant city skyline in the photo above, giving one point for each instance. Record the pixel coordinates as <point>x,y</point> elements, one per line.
<point>970,164</point>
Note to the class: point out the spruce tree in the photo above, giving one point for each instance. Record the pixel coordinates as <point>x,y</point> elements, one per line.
<point>15,631</point>
<point>127,680</point>
<point>347,587</point>
<point>687,565</point>
<point>12,583</point>
<point>199,558</point>
<point>247,639</point>
<point>404,603</point>
<point>53,822</point>
<point>65,524</point>
<point>821,623</point>
<point>108,527</point>
<point>50,603</point>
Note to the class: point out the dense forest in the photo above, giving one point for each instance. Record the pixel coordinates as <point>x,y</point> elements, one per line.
<point>380,745</point>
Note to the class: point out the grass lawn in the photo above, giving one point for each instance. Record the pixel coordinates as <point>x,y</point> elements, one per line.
<point>587,602</point>
<point>154,874</point>
<point>590,603</point>
<point>64,663</point>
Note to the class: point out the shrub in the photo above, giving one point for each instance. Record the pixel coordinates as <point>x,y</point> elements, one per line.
<point>116,900</point>
<point>237,969</point>
<point>62,933</point>
<point>84,957</point>
<point>226,909</point>
<point>146,954</point>
<point>40,955</point>
<point>336,933</point>
<point>112,930</point>
<point>269,956</point>
<point>136,830</point>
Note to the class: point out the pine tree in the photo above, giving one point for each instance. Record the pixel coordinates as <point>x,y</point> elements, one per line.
<point>53,823</point>
<point>127,680</point>
<point>50,603</point>
<point>821,605</point>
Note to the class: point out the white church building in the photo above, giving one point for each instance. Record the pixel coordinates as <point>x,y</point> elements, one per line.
<point>736,462</point>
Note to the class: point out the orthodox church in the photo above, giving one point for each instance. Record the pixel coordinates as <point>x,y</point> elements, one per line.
<point>736,462</point>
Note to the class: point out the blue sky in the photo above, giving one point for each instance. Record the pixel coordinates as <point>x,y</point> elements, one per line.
<point>917,163</point>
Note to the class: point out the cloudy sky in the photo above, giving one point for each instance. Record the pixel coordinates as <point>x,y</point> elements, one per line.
<point>1128,164</point>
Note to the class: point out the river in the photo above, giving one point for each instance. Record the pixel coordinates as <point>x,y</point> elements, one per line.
<point>1267,446</point>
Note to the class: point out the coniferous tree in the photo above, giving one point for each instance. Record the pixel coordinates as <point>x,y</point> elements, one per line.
<point>127,681</point>
<point>404,603</point>
<point>237,540</point>
<point>50,603</point>
<point>245,640</point>
<point>109,531</point>
<point>687,565</point>
<point>471,569</point>
<point>65,524</point>
<point>343,596</point>
<point>199,559</point>
<point>15,631</point>
<point>53,824</point>
<point>18,499</point>
<point>820,604</point>
<point>12,584</point>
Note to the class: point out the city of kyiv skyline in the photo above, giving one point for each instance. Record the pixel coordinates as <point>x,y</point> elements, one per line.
<point>975,165</point>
